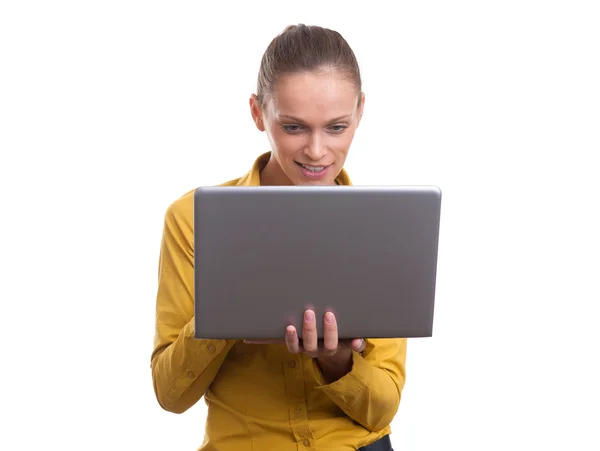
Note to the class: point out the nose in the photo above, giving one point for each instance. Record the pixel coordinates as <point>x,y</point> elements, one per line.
<point>315,150</point>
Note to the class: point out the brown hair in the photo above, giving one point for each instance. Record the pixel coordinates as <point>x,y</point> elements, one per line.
<point>301,48</point>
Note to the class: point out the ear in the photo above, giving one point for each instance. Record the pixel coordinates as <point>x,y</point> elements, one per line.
<point>256,112</point>
<point>361,107</point>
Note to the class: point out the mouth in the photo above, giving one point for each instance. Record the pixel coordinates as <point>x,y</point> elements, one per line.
<point>313,171</point>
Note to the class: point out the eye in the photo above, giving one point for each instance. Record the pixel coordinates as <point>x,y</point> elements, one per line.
<point>292,128</point>
<point>338,128</point>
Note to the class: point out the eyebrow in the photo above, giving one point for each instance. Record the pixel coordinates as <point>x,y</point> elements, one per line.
<point>347,116</point>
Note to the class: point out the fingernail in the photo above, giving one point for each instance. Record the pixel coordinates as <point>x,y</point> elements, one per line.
<point>308,315</point>
<point>329,317</point>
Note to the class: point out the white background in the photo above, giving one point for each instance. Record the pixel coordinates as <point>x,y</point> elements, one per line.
<point>111,110</point>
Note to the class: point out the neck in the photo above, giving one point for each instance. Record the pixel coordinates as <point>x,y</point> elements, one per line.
<point>273,175</point>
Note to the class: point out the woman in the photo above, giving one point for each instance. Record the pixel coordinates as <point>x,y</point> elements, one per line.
<point>281,395</point>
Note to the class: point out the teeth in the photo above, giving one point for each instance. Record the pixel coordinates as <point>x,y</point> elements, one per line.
<point>314,168</point>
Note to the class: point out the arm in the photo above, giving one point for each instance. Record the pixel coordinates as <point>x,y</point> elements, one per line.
<point>370,392</point>
<point>182,367</point>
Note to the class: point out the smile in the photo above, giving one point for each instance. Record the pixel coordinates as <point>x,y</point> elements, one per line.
<point>313,171</point>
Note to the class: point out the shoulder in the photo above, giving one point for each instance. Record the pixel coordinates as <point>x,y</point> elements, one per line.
<point>181,211</point>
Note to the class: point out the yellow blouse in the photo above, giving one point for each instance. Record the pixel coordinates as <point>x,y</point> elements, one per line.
<point>261,397</point>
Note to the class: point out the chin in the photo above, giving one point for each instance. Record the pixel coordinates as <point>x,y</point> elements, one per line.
<point>300,180</point>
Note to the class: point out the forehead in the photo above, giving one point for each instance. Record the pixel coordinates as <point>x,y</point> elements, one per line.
<point>314,96</point>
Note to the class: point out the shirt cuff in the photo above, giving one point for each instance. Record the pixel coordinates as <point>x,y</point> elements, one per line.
<point>197,357</point>
<point>347,388</point>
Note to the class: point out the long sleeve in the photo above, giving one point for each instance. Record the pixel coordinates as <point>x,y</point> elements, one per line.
<point>370,393</point>
<point>182,367</point>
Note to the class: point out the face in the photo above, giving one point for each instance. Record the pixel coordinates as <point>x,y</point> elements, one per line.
<point>310,121</point>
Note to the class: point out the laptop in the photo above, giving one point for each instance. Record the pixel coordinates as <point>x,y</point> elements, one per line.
<point>265,254</point>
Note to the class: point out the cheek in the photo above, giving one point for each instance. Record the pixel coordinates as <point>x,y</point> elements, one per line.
<point>342,143</point>
<point>286,144</point>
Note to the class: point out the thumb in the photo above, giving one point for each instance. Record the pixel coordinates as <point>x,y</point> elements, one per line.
<point>359,344</point>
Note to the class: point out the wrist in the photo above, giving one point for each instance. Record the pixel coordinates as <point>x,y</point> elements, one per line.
<point>336,366</point>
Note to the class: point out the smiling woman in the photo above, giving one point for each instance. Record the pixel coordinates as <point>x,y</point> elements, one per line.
<point>287,394</point>
<point>309,101</point>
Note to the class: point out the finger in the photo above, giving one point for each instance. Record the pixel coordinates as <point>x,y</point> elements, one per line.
<point>330,334</point>
<point>309,334</point>
<point>359,345</point>
<point>291,339</point>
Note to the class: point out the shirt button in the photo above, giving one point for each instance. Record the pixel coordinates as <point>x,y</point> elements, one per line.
<point>191,374</point>
<point>306,442</point>
<point>211,348</point>
<point>292,364</point>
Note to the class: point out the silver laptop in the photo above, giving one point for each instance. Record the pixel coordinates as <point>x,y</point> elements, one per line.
<point>263,255</point>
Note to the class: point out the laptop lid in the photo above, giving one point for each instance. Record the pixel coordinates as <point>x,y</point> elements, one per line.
<point>265,254</point>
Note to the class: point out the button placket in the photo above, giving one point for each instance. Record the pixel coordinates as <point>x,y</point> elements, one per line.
<point>294,375</point>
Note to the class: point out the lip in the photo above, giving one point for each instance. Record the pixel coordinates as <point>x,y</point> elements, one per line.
<point>312,174</point>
